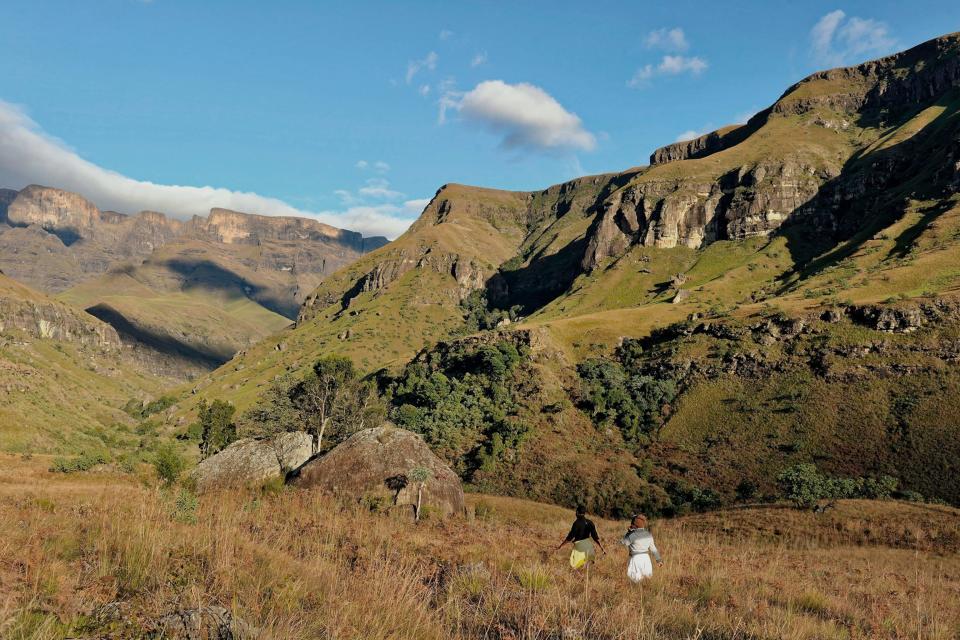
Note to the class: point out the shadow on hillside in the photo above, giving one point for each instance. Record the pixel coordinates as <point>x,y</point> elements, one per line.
<point>66,235</point>
<point>871,193</point>
<point>546,276</point>
<point>162,343</point>
<point>206,274</point>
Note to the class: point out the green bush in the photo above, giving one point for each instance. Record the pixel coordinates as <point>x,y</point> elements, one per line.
<point>617,392</point>
<point>465,400</point>
<point>168,464</point>
<point>185,506</point>
<point>82,462</point>
<point>803,485</point>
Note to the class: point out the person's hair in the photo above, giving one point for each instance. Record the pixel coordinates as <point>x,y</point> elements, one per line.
<point>581,510</point>
<point>639,521</point>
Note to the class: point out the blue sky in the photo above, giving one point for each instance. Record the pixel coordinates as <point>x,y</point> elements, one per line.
<point>335,108</point>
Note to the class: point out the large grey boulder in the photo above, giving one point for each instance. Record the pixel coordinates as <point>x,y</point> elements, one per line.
<point>392,463</point>
<point>252,461</point>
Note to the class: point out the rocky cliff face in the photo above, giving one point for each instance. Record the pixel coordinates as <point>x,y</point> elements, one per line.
<point>6,197</point>
<point>43,318</point>
<point>752,187</point>
<point>93,241</point>
<point>750,201</point>
<point>700,146</point>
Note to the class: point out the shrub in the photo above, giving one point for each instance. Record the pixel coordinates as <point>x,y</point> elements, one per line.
<point>618,392</point>
<point>168,463</point>
<point>83,462</point>
<point>185,506</point>
<point>747,490</point>
<point>483,510</point>
<point>466,402</point>
<point>803,485</point>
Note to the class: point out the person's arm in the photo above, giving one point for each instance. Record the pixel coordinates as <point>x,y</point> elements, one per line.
<point>654,552</point>
<point>596,538</point>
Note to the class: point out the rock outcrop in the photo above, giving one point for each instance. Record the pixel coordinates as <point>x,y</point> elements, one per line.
<point>40,317</point>
<point>251,461</point>
<point>6,197</point>
<point>385,461</point>
<point>700,146</point>
<point>205,623</point>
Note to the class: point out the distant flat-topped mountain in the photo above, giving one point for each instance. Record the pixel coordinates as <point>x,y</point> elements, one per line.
<point>194,290</point>
<point>91,241</point>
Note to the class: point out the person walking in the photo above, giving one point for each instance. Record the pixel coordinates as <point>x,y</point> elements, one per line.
<point>639,542</point>
<point>583,535</point>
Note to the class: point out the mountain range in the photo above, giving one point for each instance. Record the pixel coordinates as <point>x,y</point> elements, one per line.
<point>776,292</point>
<point>195,290</point>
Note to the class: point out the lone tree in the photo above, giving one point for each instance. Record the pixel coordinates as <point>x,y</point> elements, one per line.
<point>420,475</point>
<point>333,400</point>
<point>217,429</point>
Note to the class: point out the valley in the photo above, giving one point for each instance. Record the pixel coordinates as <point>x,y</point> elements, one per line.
<point>258,425</point>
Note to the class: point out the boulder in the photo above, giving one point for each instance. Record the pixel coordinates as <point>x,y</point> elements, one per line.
<point>386,462</point>
<point>251,461</point>
<point>205,623</point>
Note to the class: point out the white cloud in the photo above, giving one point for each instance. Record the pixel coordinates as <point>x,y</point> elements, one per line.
<point>525,115</point>
<point>744,116</point>
<point>837,40</point>
<point>361,164</point>
<point>668,66</point>
<point>415,66</point>
<point>445,34</point>
<point>424,89</point>
<point>478,59</point>
<point>667,39</point>
<point>690,135</point>
<point>415,207</point>
<point>379,189</point>
<point>29,156</point>
<point>381,166</point>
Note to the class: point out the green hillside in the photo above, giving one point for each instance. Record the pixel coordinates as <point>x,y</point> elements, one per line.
<point>685,331</point>
<point>64,378</point>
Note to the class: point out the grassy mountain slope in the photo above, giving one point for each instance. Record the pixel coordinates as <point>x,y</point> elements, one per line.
<point>843,196</point>
<point>194,301</point>
<point>64,377</point>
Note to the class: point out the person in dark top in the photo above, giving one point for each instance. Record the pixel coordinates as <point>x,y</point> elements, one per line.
<point>582,534</point>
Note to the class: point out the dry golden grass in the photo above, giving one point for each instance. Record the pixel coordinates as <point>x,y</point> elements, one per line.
<point>296,564</point>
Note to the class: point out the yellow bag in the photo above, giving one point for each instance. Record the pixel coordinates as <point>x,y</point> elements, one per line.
<point>582,553</point>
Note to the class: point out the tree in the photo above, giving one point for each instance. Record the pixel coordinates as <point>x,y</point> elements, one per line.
<point>333,399</point>
<point>420,475</point>
<point>274,413</point>
<point>216,426</point>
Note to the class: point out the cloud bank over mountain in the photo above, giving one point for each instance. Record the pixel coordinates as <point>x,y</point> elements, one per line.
<point>29,156</point>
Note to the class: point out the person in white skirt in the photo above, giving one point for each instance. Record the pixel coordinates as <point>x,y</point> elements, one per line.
<point>639,541</point>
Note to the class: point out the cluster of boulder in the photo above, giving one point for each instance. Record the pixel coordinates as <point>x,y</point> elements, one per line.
<point>392,466</point>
